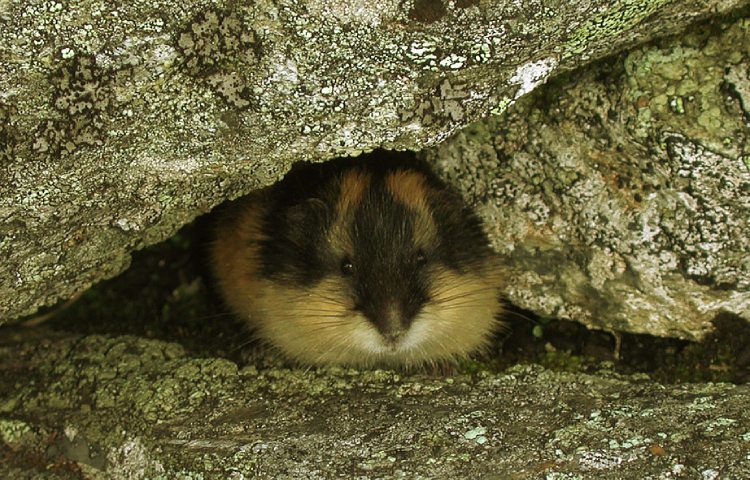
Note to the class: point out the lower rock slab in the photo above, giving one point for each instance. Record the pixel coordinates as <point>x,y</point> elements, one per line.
<point>127,407</point>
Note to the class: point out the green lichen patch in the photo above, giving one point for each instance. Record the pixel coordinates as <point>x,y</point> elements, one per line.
<point>82,96</point>
<point>444,104</point>
<point>153,379</point>
<point>611,23</point>
<point>688,88</point>
<point>8,134</point>
<point>219,47</point>
<point>13,431</point>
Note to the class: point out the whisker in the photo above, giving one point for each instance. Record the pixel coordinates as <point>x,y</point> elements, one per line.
<point>348,344</point>
<point>316,295</point>
<point>241,345</point>
<point>459,302</point>
<point>477,292</point>
<point>301,313</point>
<point>455,285</point>
<point>467,298</point>
<point>473,291</point>
<point>334,345</point>
<point>304,307</point>
<point>320,328</point>
<point>460,307</point>
<point>458,297</point>
<point>315,315</point>
<point>521,316</point>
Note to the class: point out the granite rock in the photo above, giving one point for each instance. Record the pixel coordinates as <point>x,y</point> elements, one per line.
<point>123,121</point>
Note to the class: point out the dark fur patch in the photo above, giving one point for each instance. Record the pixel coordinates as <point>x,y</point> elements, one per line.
<point>463,245</point>
<point>387,274</point>
<point>390,268</point>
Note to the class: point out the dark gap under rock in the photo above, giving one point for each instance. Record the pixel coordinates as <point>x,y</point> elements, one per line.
<point>166,294</point>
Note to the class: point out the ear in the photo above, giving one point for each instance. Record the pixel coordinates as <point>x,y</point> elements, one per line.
<point>307,219</point>
<point>308,209</point>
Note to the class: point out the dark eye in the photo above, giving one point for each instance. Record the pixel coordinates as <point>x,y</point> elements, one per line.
<point>347,267</point>
<point>421,257</point>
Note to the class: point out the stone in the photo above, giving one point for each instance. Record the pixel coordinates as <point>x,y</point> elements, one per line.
<point>130,408</point>
<point>619,196</point>
<point>122,122</point>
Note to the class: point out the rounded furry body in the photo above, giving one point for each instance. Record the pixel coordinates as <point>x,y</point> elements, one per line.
<point>364,261</point>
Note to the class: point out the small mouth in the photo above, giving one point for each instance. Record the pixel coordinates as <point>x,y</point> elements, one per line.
<point>392,339</point>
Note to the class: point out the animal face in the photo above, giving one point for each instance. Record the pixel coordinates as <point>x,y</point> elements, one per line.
<point>373,264</point>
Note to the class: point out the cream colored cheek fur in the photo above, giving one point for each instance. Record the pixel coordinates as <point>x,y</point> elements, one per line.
<point>312,325</point>
<point>316,326</point>
<point>459,318</point>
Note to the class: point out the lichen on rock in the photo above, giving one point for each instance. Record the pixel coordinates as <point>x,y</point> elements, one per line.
<point>122,122</point>
<point>618,196</point>
<point>180,417</point>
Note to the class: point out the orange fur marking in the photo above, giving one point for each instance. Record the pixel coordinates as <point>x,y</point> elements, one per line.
<point>234,254</point>
<point>409,188</point>
<point>354,184</point>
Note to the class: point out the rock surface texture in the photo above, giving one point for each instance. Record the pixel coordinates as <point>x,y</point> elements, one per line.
<point>128,408</point>
<point>619,196</point>
<point>120,122</point>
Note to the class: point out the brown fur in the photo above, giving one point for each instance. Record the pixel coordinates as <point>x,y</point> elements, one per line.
<point>409,187</point>
<point>234,254</point>
<point>319,324</point>
<point>354,184</point>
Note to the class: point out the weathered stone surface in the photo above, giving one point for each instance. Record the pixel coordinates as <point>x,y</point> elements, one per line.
<point>122,121</point>
<point>128,408</point>
<point>620,196</point>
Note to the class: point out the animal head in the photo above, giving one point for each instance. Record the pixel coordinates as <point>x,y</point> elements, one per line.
<point>374,263</point>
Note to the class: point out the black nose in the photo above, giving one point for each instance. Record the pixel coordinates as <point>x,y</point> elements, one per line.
<point>390,318</point>
<point>392,307</point>
<point>393,336</point>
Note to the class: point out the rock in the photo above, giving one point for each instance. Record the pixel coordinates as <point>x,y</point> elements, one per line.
<point>129,408</point>
<point>122,122</point>
<point>619,196</point>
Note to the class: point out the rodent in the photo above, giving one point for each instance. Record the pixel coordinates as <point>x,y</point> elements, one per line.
<point>359,261</point>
